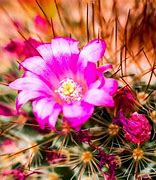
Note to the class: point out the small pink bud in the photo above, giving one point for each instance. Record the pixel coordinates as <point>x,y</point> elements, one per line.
<point>137,128</point>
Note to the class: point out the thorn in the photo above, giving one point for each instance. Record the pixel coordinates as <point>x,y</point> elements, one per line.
<point>18,62</point>
<point>4,84</point>
<point>93,20</point>
<point>45,15</point>
<point>121,60</point>
<point>148,60</point>
<point>99,8</point>
<point>98,35</point>
<point>59,15</point>
<point>126,83</point>
<point>125,40</point>
<point>26,40</point>
<point>8,16</point>
<point>52,27</point>
<point>149,95</point>
<point>116,34</point>
<point>151,75</point>
<point>87,25</point>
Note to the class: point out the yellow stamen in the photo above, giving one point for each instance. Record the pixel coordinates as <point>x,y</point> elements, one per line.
<point>138,154</point>
<point>86,156</point>
<point>53,176</point>
<point>69,90</point>
<point>113,129</point>
<point>68,87</point>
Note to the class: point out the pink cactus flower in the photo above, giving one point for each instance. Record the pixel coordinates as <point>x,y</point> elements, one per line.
<point>6,110</point>
<point>15,173</point>
<point>137,129</point>
<point>15,47</point>
<point>41,23</point>
<point>20,48</point>
<point>8,146</point>
<point>65,80</point>
<point>125,100</point>
<point>39,20</point>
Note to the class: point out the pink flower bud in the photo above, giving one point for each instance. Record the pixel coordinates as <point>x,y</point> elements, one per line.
<point>137,128</point>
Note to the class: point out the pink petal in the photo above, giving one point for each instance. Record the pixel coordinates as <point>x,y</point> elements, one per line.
<point>43,107</point>
<point>94,78</point>
<point>78,113</point>
<point>98,97</point>
<point>40,67</point>
<point>25,96</point>
<point>64,46</point>
<point>29,74</point>
<point>90,73</point>
<point>110,86</point>
<point>45,51</point>
<point>92,52</point>
<point>105,68</point>
<point>44,110</point>
<point>34,64</point>
<point>98,83</point>
<point>30,84</point>
<point>61,55</point>
<point>54,116</point>
<point>65,52</point>
<point>47,54</point>
<point>30,46</point>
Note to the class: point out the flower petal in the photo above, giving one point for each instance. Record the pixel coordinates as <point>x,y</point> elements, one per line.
<point>105,68</point>
<point>92,52</point>
<point>64,46</point>
<point>30,84</point>
<point>44,110</point>
<point>43,107</point>
<point>34,64</point>
<point>90,73</point>
<point>93,77</point>
<point>45,51</point>
<point>65,52</point>
<point>78,113</point>
<point>29,74</point>
<point>61,55</point>
<point>110,86</point>
<point>98,97</point>
<point>40,67</point>
<point>25,96</point>
<point>54,116</point>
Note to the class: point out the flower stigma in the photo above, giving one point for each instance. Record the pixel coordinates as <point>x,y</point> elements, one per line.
<point>69,90</point>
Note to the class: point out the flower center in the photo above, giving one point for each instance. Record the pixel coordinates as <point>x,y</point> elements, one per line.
<point>53,176</point>
<point>86,156</point>
<point>69,90</point>
<point>138,154</point>
<point>113,129</point>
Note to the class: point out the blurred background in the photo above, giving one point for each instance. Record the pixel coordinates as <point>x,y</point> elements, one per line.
<point>127,26</point>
